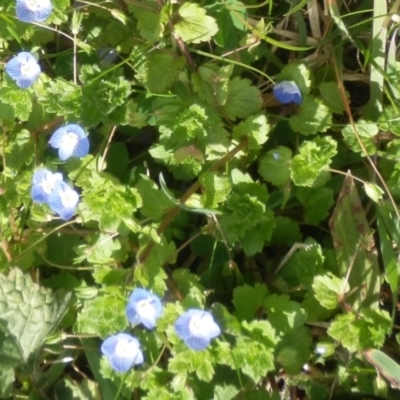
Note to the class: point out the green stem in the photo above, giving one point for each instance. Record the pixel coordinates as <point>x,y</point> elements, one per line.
<point>120,386</point>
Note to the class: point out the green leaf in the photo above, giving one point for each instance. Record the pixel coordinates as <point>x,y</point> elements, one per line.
<point>243,99</point>
<point>247,218</point>
<point>390,263</point>
<point>59,14</point>
<point>328,288</point>
<point>293,350</point>
<point>163,68</point>
<point>134,115</point>
<point>194,26</point>
<point>360,333</point>
<point>354,243</point>
<point>20,101</point>
<point>6,112</point>
<point>373,191</point>
<point>186,361</point>
<point>150,20</point>
<point>315,311</point>
<point>366,131</point>
<point>30,312</point>
<point>104,315</point>
<point>152,273</point>
<point>313,117</point>
<point>117,159</point>
<point>103,99</point>
<point>389,120</point>
<point>188,285</point>
<point>313,158</point>
<point>211,83</point>
<point>385,365</point>
<point>255,128</point>
<point>18,152</point>
<point>248,300</point>
<point>107,202</point>
<point>155,202</point>
<point>10,358</point>
<point>216,189</point>
<point>304,264</point>
<point>101,249</point>
<point>253,242</point>
<point>286,231</point>
<point>331,96</point>
<point>108,388</point>
<point>316,202</point>
<point>283,314</point>
<point>228,35</point>
<point>254,354</point>
<point>298,73</point>
<point>60,97</point>
<point>274,166</point>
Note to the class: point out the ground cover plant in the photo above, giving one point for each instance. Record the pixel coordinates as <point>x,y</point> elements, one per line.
<point>199,199</point>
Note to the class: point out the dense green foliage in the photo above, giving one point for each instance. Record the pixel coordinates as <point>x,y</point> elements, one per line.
<point>280,219</point>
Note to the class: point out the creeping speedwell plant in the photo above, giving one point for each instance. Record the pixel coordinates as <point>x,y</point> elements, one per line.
<point>199,200</point>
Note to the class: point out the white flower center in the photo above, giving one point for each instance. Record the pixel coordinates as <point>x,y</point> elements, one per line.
<point>47,186</point>
<point>26,68</point>
<point>33,5</point>
<point>47,183</point>
<point>196,326</point>
<point>70,140</point>
<point>68,199</point>
<point>123,348</point>
<point>145,306</point>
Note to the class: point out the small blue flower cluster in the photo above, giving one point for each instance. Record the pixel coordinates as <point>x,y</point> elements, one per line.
<point>24,68</point>
<point>195,327</point>
<point>48,187</point>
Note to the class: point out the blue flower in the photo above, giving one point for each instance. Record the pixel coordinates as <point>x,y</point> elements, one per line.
<point>43,184</point>
<point>63,200</point>
<point>287,92</point>
<point>33,10</point>
<point>70,140</point>
<point>122,351</point>
<point>143,307</point>
<point>196,328</point>
<point>23,69</point>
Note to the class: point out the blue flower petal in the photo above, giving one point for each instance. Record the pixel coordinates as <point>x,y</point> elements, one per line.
<point>143,307</point>
<point>182,326</point>
<point>108,346</point>
<point>70,140</point>
<point>43,183</point>
<point>13,68</point>
<point>74,128</point>
<point>196,328</point>
<point>38,194</point>
<point>197,343</point>
<point>63,200</point>
<point>122,351</point>
<point>33,11</point>
<point>65,152</point>
<point>139,294</point>
<point>23,69</point>
<point>82,148</point>
<point>287,92</point>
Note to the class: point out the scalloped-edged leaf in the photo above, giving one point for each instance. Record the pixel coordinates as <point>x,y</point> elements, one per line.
<point>31,312</point>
